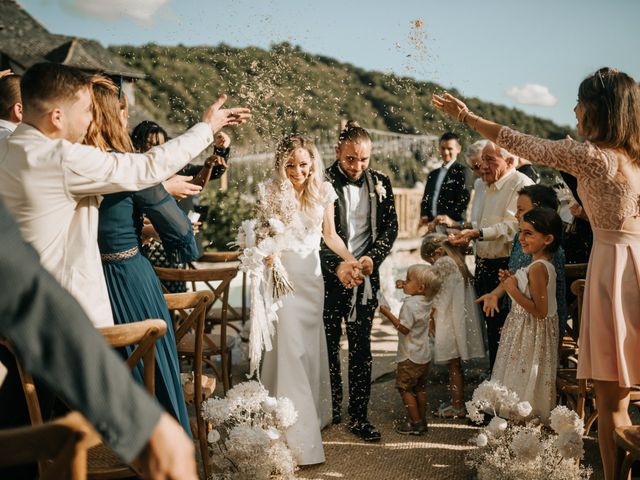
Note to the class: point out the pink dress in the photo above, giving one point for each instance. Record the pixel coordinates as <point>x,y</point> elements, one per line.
<point>610,330</point>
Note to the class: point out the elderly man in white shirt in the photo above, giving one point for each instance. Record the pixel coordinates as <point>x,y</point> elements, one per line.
<point>496,229</point>
<point>53,185</point>
<point>10,103</point>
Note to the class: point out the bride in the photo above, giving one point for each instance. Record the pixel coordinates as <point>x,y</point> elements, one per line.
<point>297,367</point>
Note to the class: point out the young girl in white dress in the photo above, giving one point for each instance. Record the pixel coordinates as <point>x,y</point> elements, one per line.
<point>297,367</point>
<point>458,330</point>
<point>527,357</point>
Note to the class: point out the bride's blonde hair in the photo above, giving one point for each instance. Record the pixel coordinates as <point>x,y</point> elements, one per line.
<point>310,195</point>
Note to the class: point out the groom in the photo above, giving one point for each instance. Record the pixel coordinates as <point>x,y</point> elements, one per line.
<point>365,218</point>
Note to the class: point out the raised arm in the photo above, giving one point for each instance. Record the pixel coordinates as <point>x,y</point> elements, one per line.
<point>567,155</point>
<point>90,171</point>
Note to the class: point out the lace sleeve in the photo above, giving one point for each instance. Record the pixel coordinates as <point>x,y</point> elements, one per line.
<point>170,222</point>
<point>577,158</point>
<point>328,194</point>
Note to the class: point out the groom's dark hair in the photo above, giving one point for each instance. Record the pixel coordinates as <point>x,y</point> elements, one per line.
<point>353,132</point>
<point>45,83</point>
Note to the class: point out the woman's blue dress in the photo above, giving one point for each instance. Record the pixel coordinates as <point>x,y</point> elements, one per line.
<point>134,288</point>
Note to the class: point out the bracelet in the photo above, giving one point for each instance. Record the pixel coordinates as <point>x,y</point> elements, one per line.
<point>464,111</point>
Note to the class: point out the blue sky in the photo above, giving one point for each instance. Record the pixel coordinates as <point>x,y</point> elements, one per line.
<point>491,49</point>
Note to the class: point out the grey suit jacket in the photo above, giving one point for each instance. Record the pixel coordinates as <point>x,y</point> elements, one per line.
<point>58,344</point>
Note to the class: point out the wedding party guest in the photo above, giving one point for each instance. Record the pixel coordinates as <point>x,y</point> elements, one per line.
<point>578,236</point>
<point>530,197</point>
<point>10,103</point>
<point>134,290</point>
<point>56,343</point>
<point>473,157</point>
<point>414,350</point>
<point>607,166</point>
<point>458,331</point>
<point>184,187</point>
<point>446,191</point>
<point>527,358</point>
<point>366,219</point>
<point>297,367</point>
<point>52,185</point>
<point>496,229</point>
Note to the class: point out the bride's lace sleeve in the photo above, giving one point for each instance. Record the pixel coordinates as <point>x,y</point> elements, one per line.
<point>577,158</point>
<point>328,194</point>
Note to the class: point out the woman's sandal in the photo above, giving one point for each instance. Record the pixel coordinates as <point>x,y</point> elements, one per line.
<point>449,411</point>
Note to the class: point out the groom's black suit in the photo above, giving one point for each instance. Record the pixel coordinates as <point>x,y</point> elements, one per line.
<point>383,230</point>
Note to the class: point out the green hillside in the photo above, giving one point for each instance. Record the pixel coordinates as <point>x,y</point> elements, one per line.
<point>293,91</point>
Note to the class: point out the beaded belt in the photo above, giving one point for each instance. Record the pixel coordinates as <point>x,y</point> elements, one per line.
<point>117,256</point>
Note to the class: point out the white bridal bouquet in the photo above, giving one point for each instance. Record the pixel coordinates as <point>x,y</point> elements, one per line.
<point>523,451</point>
<point>247,440</point>
<point>266,235</point>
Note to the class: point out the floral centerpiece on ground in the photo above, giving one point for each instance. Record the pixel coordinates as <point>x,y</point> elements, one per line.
<point>266,235</point>
<point>247,440</point>
<point>523,450</point>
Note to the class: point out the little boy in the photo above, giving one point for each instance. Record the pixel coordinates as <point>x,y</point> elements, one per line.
<point>414,350</point>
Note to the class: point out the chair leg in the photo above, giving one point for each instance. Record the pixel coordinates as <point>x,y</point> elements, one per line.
<point>226,375</point>
<point>588,423</point>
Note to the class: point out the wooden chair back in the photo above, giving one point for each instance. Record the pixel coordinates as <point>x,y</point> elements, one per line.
<point>59,446</point>
<point>192,309</point>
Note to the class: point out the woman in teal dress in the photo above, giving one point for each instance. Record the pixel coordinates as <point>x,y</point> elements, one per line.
<point>134,289</point>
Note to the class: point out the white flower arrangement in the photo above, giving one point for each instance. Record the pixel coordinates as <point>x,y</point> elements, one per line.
<point>380,190</point>
<point>247,441</point>
<point>523,451</point>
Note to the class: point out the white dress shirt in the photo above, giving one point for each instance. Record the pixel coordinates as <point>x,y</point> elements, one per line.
<point>498,218</point>
<point>53,189</point>
<point>358,217</point>
<point>479,189</point>
<point>442,172</point>
<point>6,128</point>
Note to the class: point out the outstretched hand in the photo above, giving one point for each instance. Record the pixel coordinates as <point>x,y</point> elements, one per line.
<point>218,117</point>
<point>449,104</point>
<point>489,303</point>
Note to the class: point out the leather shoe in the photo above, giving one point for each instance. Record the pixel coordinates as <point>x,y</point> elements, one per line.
<point>365,431</point>
<point>336,419</point>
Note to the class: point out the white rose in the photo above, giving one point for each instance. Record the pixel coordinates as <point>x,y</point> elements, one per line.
<point>482,440</point>
<point>213,436</point>
<point>269,404</point>
<point>497,425</point>
<point>524,409</point>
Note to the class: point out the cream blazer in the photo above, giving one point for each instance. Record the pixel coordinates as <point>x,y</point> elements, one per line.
<point>53,189</point>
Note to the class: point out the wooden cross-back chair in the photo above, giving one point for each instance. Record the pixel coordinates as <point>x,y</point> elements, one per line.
<point>59,447</point>
<point>190,340</point>
<point>229,259</point>
<point>214,344</point>
<point>102,462</point>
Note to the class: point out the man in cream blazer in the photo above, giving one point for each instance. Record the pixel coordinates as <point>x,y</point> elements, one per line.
<point>53,185</point>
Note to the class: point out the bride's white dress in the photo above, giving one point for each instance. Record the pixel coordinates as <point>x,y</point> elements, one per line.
<point>297,367</point>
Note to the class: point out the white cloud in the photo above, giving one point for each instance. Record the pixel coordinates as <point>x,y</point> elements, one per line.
<point>142,11</point>
<point>532,94</point>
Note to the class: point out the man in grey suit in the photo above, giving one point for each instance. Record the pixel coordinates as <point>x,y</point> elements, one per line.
<point>57,343</point>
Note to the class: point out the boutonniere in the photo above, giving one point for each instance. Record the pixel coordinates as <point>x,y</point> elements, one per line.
<point>380,190</point>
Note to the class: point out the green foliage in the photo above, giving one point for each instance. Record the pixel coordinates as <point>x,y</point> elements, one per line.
<point>226,211</point>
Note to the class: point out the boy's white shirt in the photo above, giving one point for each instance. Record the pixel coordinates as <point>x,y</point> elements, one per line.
<point>415,345</point>
<point>53,188</point>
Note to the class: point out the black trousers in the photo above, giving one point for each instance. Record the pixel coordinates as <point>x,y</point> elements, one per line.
<point>486,279</point>
<point>336,310</point>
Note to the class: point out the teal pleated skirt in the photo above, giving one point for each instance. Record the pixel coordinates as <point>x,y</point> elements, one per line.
<point>136,294</point>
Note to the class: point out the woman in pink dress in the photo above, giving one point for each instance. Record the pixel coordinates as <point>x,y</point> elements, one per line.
<point>607,166</point>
